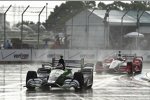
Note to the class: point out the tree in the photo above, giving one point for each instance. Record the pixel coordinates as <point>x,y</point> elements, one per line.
<point>118,5</point>
<point>56,20</point>
<point>102,6</point>
<point>140,5</point>
<point>24,23</point>
<point>90,4</point>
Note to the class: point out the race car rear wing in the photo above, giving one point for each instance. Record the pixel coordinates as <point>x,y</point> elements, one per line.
<point>132,56</point>
<point>80,63</point>
<point>128,55</point>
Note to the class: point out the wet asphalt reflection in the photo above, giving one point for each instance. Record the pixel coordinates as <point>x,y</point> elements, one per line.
<point>106,86</point>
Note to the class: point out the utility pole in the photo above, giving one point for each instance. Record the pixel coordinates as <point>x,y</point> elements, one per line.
<point>39,25</point>
<point>22,25</point>
<point>122,27</point>
<point>46,14</point>
<point>88,27</point>
<point>138,25</point>
<point>105,28</point>
<point>5,25</point>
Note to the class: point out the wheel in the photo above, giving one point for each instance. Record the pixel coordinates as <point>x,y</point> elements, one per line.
<point>130,68</point>
<point>141,68</point>
<point>90,79</point>
<point>79,77</point>
<point>90,86</point>
<point>30,75</point>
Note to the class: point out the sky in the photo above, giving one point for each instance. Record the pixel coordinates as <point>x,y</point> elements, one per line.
<point>31,13</point>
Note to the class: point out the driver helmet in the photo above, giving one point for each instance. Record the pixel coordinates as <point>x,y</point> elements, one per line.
<point>61,56</point>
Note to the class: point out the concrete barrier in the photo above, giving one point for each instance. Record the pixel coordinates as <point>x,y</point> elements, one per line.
<point>46,55</point>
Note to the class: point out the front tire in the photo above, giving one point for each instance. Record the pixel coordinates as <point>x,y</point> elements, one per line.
<point>30,75</point>
<point>79,77</point>
<point>90,86</point>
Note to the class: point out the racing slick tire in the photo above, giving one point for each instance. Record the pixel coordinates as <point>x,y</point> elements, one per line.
<point>90,86</point>
<point>30,75</point>
<point>130,68</point>
<point>79,77</point>
<point>140,70</point>
<point>141,67</point>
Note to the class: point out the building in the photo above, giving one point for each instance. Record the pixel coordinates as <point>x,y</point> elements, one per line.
<point>92,29</point>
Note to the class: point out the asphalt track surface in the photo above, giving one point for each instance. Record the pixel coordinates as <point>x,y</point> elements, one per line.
<point>106,86</point>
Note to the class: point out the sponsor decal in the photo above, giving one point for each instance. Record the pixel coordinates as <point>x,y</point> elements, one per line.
<point>21,56</point>
<point>8,54</point>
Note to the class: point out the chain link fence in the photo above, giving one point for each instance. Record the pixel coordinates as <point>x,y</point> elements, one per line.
<point>85,30</point>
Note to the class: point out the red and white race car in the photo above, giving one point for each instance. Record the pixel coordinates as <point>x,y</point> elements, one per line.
<point>127,64</point>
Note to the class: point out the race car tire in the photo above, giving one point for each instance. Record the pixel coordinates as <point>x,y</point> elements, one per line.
<point>137,72</point>
<point>130,68</point>
<point>79,77</point>
<point>90,86</point>
<point>141,68</point>
<point>30,75</point>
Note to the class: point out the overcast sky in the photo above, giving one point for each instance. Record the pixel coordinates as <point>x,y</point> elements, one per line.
<point>31,14</point>
<point>31,3</point>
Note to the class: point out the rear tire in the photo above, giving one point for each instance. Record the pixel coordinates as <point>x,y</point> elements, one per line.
<point>79,77</point>
<point>90,86</point>
<point>30,75</point>
<point>130,68</point>
<point>141,68</point>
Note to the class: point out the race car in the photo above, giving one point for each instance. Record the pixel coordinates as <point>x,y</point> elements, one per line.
<point>129,63</point>
<point>51,75</point>
<point>102,66</point>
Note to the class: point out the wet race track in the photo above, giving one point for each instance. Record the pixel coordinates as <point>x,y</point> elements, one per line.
<point>105,87</point>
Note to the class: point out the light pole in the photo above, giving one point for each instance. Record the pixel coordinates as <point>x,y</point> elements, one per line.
<point>39,25</point>
<point>138,24</point>
<point>88,27</point>
<point>105,26</point>
<point>22,24</point>
<point>122,27</point>
<point>5,26</point>
<point>46,14</point>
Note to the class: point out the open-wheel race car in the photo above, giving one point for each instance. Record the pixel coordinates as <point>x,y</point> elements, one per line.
<point>128,63</point>
<point>51,75</point>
